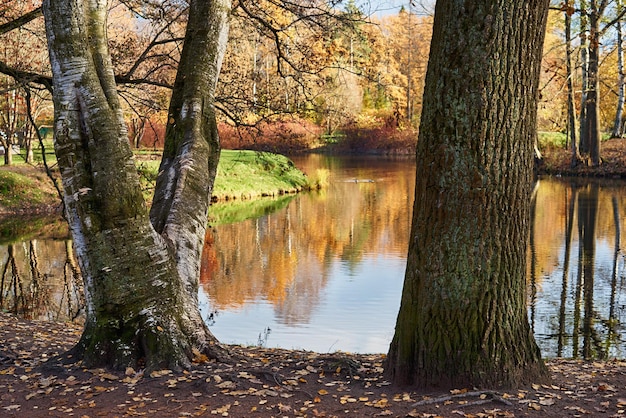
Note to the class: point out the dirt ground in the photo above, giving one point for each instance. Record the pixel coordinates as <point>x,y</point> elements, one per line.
<point>272,383</point>
<point>557,161</point>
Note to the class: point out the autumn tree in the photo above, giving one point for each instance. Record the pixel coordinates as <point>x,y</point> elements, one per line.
<point>462,320</point>
<point>23,51</point>
<point>593,14</point>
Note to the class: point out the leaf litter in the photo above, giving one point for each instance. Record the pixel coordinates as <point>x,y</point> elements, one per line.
<point>266,382</point>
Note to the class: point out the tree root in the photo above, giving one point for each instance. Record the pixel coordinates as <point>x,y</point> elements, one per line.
<point>493,397</point>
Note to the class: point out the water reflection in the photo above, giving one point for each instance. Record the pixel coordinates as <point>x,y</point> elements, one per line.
<point>578,309</point>
<point>41,280</point>
<point>323,271</point>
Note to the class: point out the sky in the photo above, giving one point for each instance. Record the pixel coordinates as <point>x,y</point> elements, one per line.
<point>389,7</point>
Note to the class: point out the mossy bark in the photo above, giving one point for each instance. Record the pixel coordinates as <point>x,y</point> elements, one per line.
<point>462,320</point>
<point>141,308</point>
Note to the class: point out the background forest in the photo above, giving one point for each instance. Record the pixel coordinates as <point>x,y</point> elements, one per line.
<point>314,74</point>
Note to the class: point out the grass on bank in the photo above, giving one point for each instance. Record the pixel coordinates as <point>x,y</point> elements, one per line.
<point>19,190</point>
<point>244,175</point>
<point>241,175</point>
<point>559,139</point>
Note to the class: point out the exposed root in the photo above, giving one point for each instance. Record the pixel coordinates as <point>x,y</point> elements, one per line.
<point>484,397</point>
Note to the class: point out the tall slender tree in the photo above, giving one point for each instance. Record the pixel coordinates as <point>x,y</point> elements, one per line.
<point>591,134</point>
<point>571,105</point>
<point>618,124</point>
<point>462,320</point>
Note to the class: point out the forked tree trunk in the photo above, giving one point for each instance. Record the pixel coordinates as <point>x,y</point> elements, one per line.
<point>462,320</point>
<point>141,308</point>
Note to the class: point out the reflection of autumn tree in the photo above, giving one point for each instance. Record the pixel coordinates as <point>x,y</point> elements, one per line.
<point>72,284</point>
<point>570,200</point>
<point>296,247</point>
<point>40,279</point>
<point>612,321</point>
<point>12,296</point>
<point>587,214</point>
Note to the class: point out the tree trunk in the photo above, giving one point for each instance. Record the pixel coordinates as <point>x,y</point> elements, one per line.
<point>583,142</point>
<point>140,308</point>
<point>571,106</point>
<point>592,104</point>
<point>621,81</point>
<point>462,320</point>
<point>192,148</point>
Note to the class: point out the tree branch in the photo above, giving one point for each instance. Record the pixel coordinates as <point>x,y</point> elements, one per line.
<point>20,21</point>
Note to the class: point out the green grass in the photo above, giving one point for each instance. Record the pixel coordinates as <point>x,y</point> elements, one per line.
<point>248,174</point>
<point>16,188</point>
<point>243,175</point>
<point>552,139</point>
<point>240,175</point>
<point>559,139</point>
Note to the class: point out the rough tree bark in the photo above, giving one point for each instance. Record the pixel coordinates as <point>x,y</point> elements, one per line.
<point>139,279</point>
<point>571,104</point>
<point>462,320</point>
<point>592,102</point>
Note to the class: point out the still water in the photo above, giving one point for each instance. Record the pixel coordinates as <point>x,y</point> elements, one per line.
<point>323,271</point>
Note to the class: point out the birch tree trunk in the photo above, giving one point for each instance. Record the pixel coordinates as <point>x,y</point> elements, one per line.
<point>139,281</point>
<point>462,320</point>
<point>618,130</point>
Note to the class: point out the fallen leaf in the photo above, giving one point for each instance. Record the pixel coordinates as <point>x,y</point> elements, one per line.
<point>12,407</point>
<point>227,384</point>
<point>284,408</point>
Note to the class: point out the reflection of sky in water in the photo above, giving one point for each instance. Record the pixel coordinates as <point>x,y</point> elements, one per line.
<point>356,312</point>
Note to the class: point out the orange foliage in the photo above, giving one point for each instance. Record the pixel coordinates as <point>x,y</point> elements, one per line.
<point>276,136</point>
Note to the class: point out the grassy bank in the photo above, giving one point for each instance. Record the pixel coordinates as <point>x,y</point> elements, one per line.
<point>242,175</point>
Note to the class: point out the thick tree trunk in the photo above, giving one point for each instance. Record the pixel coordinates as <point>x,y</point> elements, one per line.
<point>139,308</point>
<point>462,320</point>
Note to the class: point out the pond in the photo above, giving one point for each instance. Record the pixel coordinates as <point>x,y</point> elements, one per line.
<point>323,271</point>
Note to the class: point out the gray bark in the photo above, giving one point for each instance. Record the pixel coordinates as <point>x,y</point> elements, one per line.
<point>618,129</point>
<point>462,320</point>
<point>571,106</point>
<point>140,310</point>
